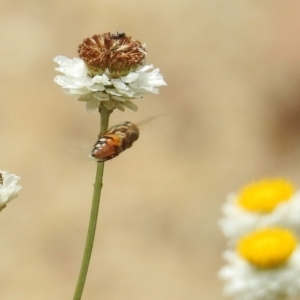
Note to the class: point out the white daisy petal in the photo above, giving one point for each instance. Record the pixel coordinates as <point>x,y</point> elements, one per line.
<point>238,222</point>
<point>262,222</point>
<point>245,282</point>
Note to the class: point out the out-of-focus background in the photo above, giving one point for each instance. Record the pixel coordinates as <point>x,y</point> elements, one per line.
<point>232,108</point>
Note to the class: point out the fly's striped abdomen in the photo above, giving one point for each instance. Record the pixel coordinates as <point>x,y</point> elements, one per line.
<point>115,140</point>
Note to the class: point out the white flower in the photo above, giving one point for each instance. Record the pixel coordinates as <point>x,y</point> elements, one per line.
<point>111,71</point>
<point>238,221</point>
<point>246,282</point>
<point>8,188</point>
<point>113,92</point>
<point>264,266</point>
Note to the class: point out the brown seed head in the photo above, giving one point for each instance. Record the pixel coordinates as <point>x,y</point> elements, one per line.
<point>115,52</point>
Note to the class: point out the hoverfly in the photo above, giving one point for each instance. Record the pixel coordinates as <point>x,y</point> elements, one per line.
<point>1,179</point>
<point>115,140</point>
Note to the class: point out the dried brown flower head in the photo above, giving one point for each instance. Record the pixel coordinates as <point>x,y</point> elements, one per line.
<point>116,52</point>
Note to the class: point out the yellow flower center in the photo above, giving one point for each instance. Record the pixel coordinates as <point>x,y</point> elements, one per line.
<point>267,248</point>
<point>263,196</point>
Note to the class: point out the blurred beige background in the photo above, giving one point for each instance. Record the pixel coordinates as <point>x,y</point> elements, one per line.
<point>232,109</point>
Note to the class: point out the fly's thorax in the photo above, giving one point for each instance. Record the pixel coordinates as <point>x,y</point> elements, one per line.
<point>122,128</point>
<point>132,134</point>
<point>126,131</point>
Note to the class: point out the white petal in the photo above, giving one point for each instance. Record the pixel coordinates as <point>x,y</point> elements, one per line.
<point>101,96</point>
<point>144,83</point>
<point>121,89</point>
<point>72,67</point>
<point>245,282</point>
<point>119,84</point>
<point>130,105</point>
<point>76,81</point>
<point>144,68</point>
<point>92,104</point>
<point>9,188</point>
<point>155,78</point>
<point>118,98</point>
<point>113,92</point>
<point>129,93</point>
<point>85,98</point>
<point>72,82</point>
<point>97,87</point>
<point>119,105</point>
<point>131,77</point>
<point>109,104</point>
<point>144,89</point>
<point>237,222</point>
<point>102,79</point>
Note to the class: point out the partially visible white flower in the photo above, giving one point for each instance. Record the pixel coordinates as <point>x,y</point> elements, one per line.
<point>111,71</point>
<point>238,220</point>
<point>8,188</point>
<point>247,281</point>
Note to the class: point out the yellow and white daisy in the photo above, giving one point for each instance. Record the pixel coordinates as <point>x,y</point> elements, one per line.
<point>269,202</point>
<point>264,266</point>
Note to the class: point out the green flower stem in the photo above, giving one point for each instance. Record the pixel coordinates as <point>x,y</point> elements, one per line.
<point>105,113</point>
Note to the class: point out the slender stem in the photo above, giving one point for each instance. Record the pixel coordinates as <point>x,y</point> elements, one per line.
<point>105,113</point>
